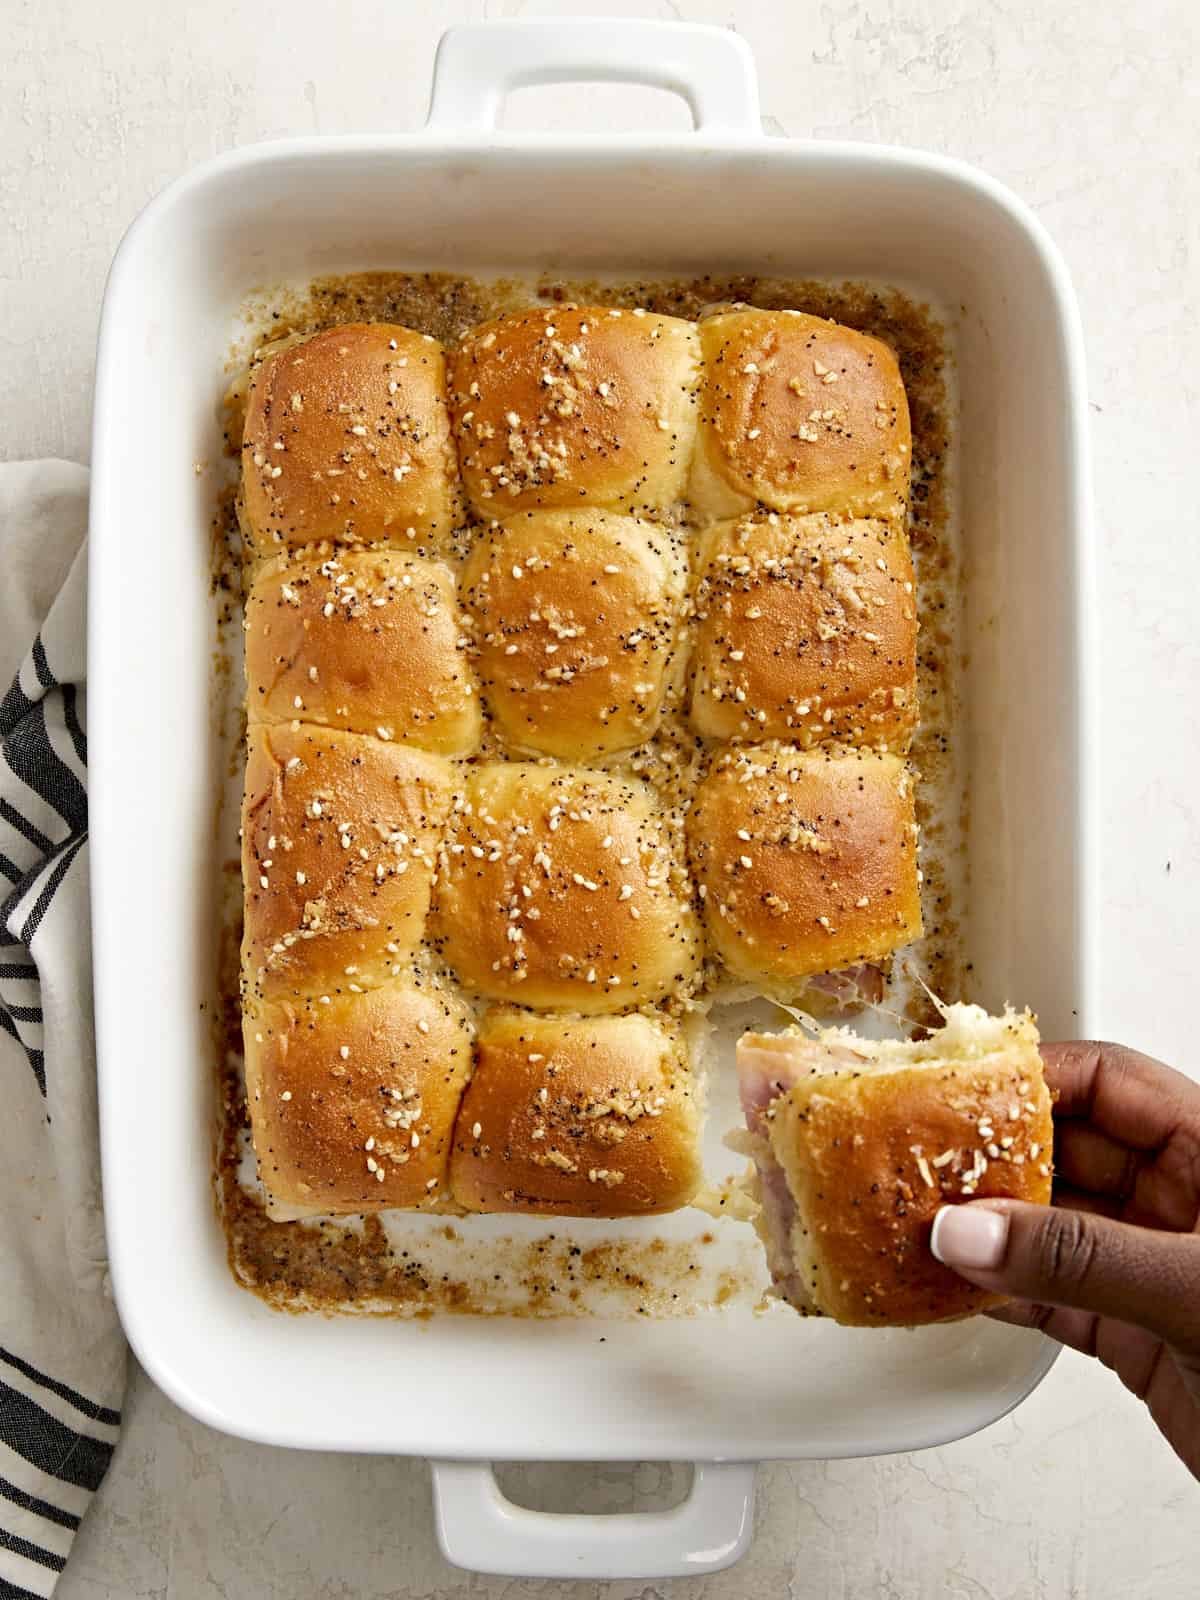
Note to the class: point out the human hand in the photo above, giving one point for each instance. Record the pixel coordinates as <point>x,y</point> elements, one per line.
<point>1113,1267</point>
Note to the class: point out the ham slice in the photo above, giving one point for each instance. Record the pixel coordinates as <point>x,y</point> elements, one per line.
<point>840,994</point>
<point>767,1068</point>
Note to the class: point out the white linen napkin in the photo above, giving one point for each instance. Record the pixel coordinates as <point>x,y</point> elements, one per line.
<point>62,1354</point>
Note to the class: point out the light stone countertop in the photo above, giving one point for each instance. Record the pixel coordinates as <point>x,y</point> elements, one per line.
<point>1089,111</point>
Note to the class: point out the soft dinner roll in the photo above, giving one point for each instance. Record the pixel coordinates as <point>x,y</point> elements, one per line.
<point>577,616</point>
<point>570,406</point>
<point>369,641</point>
<point>347,439</point>
<point>339,839</point>
<point>857,1143</point>
<point>807,862</point>
<point>564,888</point>
<point>800,415</point>
<point>352,1104</point>
<point>807,631</point>
<point>587,1117</point>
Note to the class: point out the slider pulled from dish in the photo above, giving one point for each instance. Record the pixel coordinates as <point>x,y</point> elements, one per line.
<point>857,1143</point>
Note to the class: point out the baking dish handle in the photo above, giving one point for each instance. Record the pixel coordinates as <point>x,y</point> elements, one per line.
<point>478,64</point>
<point>481,1530</point>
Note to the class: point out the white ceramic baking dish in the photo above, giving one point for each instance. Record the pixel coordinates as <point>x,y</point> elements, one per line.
<point>722,1390</point>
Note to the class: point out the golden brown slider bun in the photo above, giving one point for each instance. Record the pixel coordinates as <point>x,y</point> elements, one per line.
<point>369,641</point>
<point>339,838</point>
<point>859,1142</point>
<point>570,406</point>
<point>347,439</point>
<point>807,861</point>
<point>564,888</point>
<point>576,617</point>
<point>584,1117</point>
<point>799,415</point>
<point>352,1103</point>
<point>807,631</point>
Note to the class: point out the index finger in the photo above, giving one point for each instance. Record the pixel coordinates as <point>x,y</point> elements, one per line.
<point>1139,1102</point>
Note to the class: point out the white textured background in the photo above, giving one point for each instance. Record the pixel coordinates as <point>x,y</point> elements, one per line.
<point>1088,109</point>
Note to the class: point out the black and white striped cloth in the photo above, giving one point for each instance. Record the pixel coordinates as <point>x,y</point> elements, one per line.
<point>62,1355</point>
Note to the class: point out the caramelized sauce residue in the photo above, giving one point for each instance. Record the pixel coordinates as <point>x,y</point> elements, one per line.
<point>358,1265</point>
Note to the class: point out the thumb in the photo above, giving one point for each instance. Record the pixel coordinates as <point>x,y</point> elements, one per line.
<point>1056,1256</point>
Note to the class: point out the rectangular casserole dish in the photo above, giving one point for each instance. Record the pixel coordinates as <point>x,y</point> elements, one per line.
<point>725,1390</point>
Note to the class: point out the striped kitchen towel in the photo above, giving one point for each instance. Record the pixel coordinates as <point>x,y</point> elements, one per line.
<point>62,1355</point>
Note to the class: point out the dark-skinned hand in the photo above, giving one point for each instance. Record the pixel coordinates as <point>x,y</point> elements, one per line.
<point>1112,1268</point>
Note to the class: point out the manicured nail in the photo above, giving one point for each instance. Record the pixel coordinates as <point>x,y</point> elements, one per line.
<point>970,1237</point>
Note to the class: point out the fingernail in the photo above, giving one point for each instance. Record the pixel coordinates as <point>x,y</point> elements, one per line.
<point>969,1236</point>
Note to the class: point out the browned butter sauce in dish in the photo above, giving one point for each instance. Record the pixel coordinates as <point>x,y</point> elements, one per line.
<point>418,1263</point>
